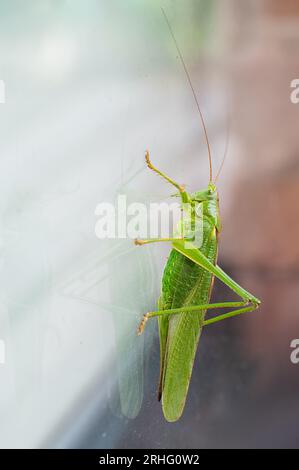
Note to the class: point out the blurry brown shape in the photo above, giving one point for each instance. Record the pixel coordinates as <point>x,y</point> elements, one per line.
<point>261,230</point>
<point>281,8</point>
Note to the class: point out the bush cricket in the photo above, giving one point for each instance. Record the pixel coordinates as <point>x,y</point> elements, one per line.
<point>187,285</point>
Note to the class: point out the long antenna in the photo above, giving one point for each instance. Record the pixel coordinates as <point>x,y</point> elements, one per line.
<point>225,151</point>
<point>193,92</point>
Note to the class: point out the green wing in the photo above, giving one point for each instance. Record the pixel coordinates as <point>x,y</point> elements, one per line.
<point>184,283</point>
<point>171,295</point>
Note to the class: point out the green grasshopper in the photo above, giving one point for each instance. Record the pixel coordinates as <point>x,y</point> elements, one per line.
<point>187,285</point>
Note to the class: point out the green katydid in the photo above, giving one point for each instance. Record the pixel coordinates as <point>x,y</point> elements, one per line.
<point>187,286</point>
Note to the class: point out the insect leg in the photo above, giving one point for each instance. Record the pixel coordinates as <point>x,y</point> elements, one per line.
<point>199,258</point>
<point>190,309</point>
<point>180,187</point>
<point>233,313</point>
<point>137,241</point>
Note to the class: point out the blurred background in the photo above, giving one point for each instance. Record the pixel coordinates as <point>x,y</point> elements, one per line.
<point>88,87</point>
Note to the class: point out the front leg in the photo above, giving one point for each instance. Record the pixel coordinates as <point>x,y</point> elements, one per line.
<point>140,242</point>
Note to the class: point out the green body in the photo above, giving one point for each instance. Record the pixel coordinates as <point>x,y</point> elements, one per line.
<point>186,290</point>
<point>184,283</point>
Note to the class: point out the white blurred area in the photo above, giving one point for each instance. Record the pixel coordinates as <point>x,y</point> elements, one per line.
<point>89,86</point>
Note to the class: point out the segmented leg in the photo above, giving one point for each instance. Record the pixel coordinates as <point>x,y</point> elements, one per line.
<point>197,309</point>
